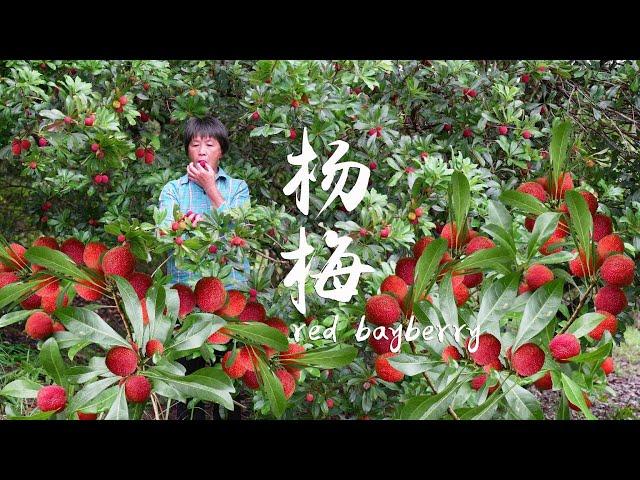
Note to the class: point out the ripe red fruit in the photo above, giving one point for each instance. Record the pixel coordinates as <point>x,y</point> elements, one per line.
<point>121,238</point>
<point>39,326</point>
<point>384,233</point>
<point>384,369</point>
<point>592,201</point>
<point>140,283</point>
<point>241,363</point>
<point>525,78</point>
<point>154,346</point>
<point>278,324</point>
<point>48,242</point>
<point>25,144</point>
<point>118,261</point>
<point>545,382</point>
<point>526,134</point>
<point>565,183</point>
<point>405,269</point>
<point>373,165</point>
<point>295,103</point>
<point>608,323</point>
<point>618,271</point>
<point>450,232</point>
<point>139,152</point>
<point>92,253</point>
<point>488,350</point>
<point>607,366</point>
<point>383,310</point>
<point>287,381</point>
<point>527,360</point>
<point>478,243</point>
<point>602,226</point>
<point>564,346</point>
<point>16,149</point>
<point>396,286</point>
<point>460,290</point>
<point>31,302</point>
<point>420,245</point>
<point>446,127</point>
<point>538,275</point>
<point>419,212</point>
<point>123,100</point>
<point>292,134</point>
<point>450,352</point>
<point>235,305</point>
<point>122,361</point>
<point>187,299</point>
<point>8,277</point>
<point>210,294</point>
<point>253,312</point>
<point>33,165</point>
<point>87,416</point>
<point>51,398</point>
<point>219,338</point>
<point>42,142</point>
<point>329,403</point>
<point>309,397</point>
<point>48,303</point>
<point>576,408</point>
<point>534,189</point>
<point>609,245</point>
<point>95,147</point>
<point>137,389</point>
<point>68,120</point>
<point>88,121</point>
<point>381,345</point>
<point>503,130</point>
<point>213,249</point>
<point>255,115</point>
<point>238,241</point>
<point>467,132</point>
<point>610,299</point>
<point>149,156</point>
<point>88,291</point>
<point>74,249</point>
<point>472,280</point>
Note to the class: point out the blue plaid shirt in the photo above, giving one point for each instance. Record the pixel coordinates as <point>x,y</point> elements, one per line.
<point>191,196</point>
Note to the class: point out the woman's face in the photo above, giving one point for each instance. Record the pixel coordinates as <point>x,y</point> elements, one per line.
<point>207,149</point>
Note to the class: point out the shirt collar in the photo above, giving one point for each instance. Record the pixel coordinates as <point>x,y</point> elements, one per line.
<point>221,174</point>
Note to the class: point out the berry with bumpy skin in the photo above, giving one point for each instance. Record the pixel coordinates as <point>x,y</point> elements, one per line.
<point>396,286</point>
<point>564,346</point>
<point>405,269</point>
<point>467,132</point>
<point>618,271</point>
<point>309,397</point>
<point>253,312</point>
<point>592,201</point>
<point>607,366</point>
<point>609,245</point>
<point>87,416</point>
<point>287,381</point>
<point>450,352</point>
<point>39,326</point>
<point>472,280</point>
<point>420,246</point>
<point>88,290</point>
<point>610,299</point>
<point>538,275</point>
<point>293,134</point>
<point>545,382</point>
<point>149,156</point>
<point>121,238</point>
<point>16,149</point>
<point>137,389</point>
<point>534,189</point>
<point>8,277</point>
<point>48,242</point>
<point>488,350</point>
<point>383,344</point>
<point>236,303</point>
<point>88,121</point>
<point>384,233</point>
<point>450,232</point>
<point>527,360</point>
<point>219,338</point>
<point>293,352</point>
<point>526,134</point>
<point>384,369</point>
<point>139,152</point>
<point>610,322</point>
<point>576,408</point>
<point>478,243</point>
<point>460,290</point>
<point>74,249</point>
<point>118,261</point>
<point>154,346</point>
<point>31,302</point>
<point>51,398</point>
<point>122,361</point>
<point>565,183</point>
<point>502,130</point>
<point>92,253</point>
<point>58,327</point>
<point>210,294</point>
<point>602,226</point>
<point>48,303</point>
<point>240,364</point>
<point>578,266</point>
<point>187,299</point>
<point>16,254</point>
<point>140,283</point>
<point>523,288</point>
<point>250,379</point>
<point>278,324</point>
<point>382,310</point>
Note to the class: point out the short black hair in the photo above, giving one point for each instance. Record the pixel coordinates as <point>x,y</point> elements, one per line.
<point>206,127</point>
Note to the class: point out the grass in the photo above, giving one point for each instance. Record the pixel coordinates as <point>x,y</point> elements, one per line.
<point>629,349</point>
<point>17,361</point>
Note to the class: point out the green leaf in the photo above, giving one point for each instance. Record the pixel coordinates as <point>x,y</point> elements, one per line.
<point>89,392</point>
<point>87,324</point>
<point>524,202</point>
<point>272,388</point>
<point>447,302</point>
<point>560,257</point>
<point>132,307</point>
<point>502,237</point>
<point>21,388</point>
<point>499,215</point>
<point>487,258</point>
<point>208,384</point>
<point>331,356</point>
<point>196,334</point>
<point>52,362</point>
<point>35,416</point>
<point>574,395</point>
<point>540,309</point>
<point>14,317</point>
<point>173,302</point>
<point>560,139</point>
<point>430,407</point>
<point>497,300</point>
<point>524,405</point>
<point>585,324</point>
<point>55,261</point>
<point>581,222</point>
<point>258,333</point>
<point>544,227</point>
<point>596,356</point>
<point>15,291</point>
<point>484,411</point>
<point>119,409</point>
<point>412,364</point>
<point>460,200</point>
<point>427,267</point>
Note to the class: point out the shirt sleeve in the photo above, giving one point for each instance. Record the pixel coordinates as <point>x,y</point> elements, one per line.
<point>241,195</point>
<point>168,199</point>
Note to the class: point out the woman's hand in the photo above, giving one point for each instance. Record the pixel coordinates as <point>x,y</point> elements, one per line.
<point>203,176</point>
